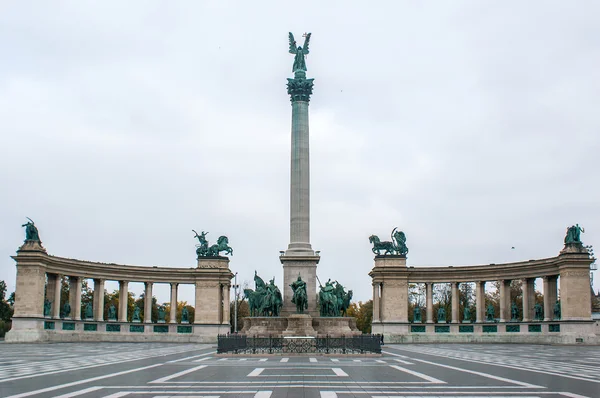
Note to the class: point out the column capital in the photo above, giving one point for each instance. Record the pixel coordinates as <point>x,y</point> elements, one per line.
<point>300,89</point>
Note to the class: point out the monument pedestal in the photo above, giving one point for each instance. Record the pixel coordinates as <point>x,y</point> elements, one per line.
<point>299,325</point>
<point>306,267</point>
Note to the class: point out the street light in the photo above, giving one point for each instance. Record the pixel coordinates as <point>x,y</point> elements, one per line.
<point>235,288</point>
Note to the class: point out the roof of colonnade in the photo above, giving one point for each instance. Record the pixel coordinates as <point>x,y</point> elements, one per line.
<point>489,272</point>
<point>131,273</point>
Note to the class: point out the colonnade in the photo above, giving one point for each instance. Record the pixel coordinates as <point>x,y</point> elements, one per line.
<point>53,295</point>
<point>391,278</point>
<point>39,282</point>
<point>550,295</point>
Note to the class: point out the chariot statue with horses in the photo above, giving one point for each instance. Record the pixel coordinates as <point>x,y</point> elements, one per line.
<point>204,250</point>
<point>397,246</point>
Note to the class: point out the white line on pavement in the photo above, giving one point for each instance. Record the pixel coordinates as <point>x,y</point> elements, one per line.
<point>328,394</point>
<point>421,375</point>
<point>255,372</point>
<point>202,359</point>
<point>313,359</point>
<point>194,356</point>
<point>528,369</point>
<point>263,394</point>
<point>76,383</point>
<point>184,372</point>
<point>489,376</point>
<point>284,359</point>
<point>339,372</point>
<point>403,362</point>
<point>80,392</point>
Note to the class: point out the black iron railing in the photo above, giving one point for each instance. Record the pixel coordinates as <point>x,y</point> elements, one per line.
<point>242,344</point>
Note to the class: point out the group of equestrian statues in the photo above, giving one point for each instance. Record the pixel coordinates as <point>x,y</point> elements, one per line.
<point>267,300</point>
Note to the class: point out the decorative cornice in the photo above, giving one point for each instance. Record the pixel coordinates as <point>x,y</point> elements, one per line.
<point>300,89</point>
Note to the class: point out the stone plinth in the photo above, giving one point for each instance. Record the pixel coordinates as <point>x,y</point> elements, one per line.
<point>263,326</point>
<point>299,325</point>
<point>335,326</point>
<point>213,262</point>
<point>306,266</point>
<point>320,326</point>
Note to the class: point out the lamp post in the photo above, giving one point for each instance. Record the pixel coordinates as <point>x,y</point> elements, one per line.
<point>235,288</point>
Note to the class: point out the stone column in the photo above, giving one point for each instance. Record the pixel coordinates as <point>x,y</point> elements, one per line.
<point>553,290</point>
<point>550,295</point>
<point>376,302</point>
<point>300,90</point>
<point>123,297</point>
<point>455,303</point>
<point>528,298</point>
<point>547,297</point>
<point>173,313</point>
<point>429,301</point>
<point>226,307</point>
<point>99,299</point>
<point>75,297</point>
<point>50,288</point>
<point>504,300</point>
<point>148,302</point>
<point>56,302</point>
<point>480,301</point>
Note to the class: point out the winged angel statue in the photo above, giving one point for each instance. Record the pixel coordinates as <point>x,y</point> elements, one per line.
<point>300,52</point>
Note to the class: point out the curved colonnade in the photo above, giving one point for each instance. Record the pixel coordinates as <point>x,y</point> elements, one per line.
<point>39,279</point>
<point>391,278</point>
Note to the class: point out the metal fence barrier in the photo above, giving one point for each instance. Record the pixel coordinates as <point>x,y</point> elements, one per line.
<point>242,344</point>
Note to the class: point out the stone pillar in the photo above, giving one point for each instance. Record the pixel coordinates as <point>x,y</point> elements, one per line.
<point>300,167</point>
<point>553,292</point>
<point>226,307</point>
<point>75,297</point>
<point>123,297</point>
<point>550,295</point>
<point>429,301</point>
<point>148,302</point>
<point>528,298</point>
<point>173,313</point>
<point>56,300</point>
<point>547,297</point>
<point>29,292</point>
<point>50,288</point>
<point>504,300</point>
<point>480,301</point>
<point>376,302</point>
<point>575,292</point>
<point>99,299</point>
<point>455,303</point>
<point>394,300</point>
<point>207,302</point>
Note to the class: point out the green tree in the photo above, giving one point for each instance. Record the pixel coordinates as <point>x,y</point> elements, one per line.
<point>363,312</point>
<point>6,310</point>
<point>243,311</point>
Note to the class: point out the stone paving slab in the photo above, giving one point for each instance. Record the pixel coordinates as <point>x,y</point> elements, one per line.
<point>194,370</point>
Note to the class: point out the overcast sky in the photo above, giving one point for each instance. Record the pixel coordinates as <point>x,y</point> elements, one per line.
<point>473,126</point>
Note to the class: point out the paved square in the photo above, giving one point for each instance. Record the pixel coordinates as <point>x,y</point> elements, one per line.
<point>153,370</point>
